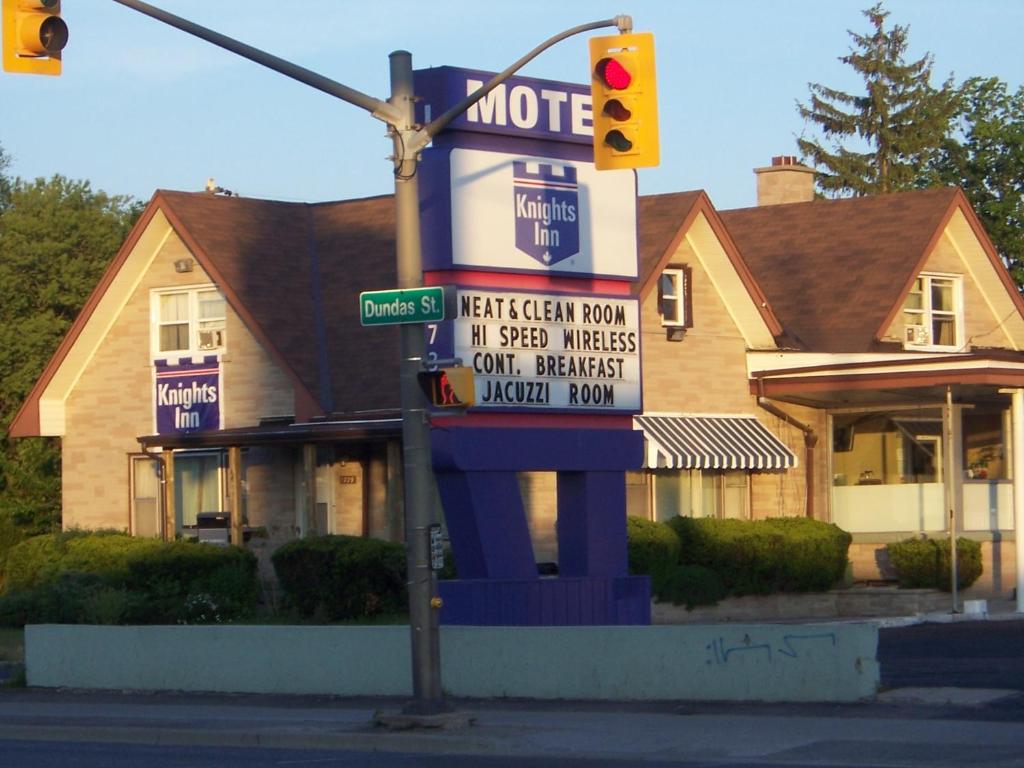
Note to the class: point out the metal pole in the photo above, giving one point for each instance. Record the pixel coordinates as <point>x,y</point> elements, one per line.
<point>1017,452</point>
<point>419,482</point>
<point>950,487</point>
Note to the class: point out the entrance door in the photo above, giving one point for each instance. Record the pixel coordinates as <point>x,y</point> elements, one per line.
<point>349,496</point>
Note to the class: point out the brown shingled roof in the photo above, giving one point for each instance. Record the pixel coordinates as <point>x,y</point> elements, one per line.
<point>293,272</point>
<point>834,269</point>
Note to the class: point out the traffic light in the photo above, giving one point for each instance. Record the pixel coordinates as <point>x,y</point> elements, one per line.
<point>449,387</point>
<point>625,99</point>
<point>34,34</point>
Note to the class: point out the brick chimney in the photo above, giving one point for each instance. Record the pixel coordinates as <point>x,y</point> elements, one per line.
<point>784,181</point>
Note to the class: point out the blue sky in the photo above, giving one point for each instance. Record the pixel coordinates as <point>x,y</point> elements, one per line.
<point>141,106</point>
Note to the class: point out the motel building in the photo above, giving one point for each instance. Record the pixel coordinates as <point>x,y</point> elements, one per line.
<point>856,361</point>
<point>848,360</point>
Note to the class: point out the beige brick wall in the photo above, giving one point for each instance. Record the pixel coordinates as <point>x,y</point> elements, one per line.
<point>706,373</point>
<point>112,402</point>
<point>982,328</point>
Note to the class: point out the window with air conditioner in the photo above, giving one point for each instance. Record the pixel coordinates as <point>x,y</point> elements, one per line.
<point>933,313</point>
<point>188,321</point>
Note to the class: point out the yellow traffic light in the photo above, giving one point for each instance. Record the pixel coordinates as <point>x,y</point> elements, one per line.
<point>625,99</point>
<point>34,34</point>
<point>449,387</point>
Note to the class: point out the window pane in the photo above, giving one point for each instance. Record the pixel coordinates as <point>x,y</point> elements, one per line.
<point>196,486</point>
<point>670,310</point>
<point>173,307</point>
<point>915,299</point>
<point>145,498</point>
<point>942,295</point>
<point>709,485</point>
<point>669,285</point>
<point>173,337</point>
<point>671,494</point>
<point>943,331</point>
<point>211,305</point>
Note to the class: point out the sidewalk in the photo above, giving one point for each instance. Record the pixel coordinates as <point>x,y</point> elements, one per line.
<point>829,735</point>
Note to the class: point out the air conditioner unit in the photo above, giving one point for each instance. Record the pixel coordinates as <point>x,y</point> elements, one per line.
<point>915,334</point>
<point>213,339</point>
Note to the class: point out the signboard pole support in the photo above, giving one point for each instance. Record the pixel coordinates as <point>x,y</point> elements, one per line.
<point>419,478</point>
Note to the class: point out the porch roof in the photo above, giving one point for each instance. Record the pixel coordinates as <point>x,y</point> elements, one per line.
<point>678,441</point>
<point>280,434</point>
<point>889,380</point>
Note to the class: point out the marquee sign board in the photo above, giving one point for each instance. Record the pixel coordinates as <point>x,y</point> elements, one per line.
<point>548,352</point>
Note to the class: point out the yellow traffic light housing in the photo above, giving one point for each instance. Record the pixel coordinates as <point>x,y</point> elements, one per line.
<point>34,34</point>
<point>625,101</point>
<point>449,387</point>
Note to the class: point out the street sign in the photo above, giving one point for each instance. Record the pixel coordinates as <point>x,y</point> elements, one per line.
<point>402,305</point>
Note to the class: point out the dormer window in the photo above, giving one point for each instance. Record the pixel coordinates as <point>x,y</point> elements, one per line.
<point>933,313</point>
<point>674,303</point>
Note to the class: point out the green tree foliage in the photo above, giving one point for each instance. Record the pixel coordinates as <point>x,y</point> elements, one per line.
<point>900,120</point>
<point>985,157</point>
<point>56,238</point>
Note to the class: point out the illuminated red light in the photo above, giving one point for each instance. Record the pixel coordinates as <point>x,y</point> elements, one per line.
<point>614,75</point>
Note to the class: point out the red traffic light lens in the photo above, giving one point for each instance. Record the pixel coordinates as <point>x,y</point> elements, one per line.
<point>616,110</point>
<point>618,141</point>
<point>613,74</point>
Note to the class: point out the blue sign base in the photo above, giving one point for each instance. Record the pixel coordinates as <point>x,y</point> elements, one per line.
<point>476,478</point>
<point>562,601</point>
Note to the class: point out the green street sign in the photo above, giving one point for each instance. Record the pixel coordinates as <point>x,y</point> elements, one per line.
<point>402,305</point>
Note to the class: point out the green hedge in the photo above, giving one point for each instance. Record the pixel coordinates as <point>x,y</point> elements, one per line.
<point>330,578</point>
<point>653,547</point>
<point>925,563</point>
<point>792,554</point>
<point>109,578</point>
<point>698,561</point>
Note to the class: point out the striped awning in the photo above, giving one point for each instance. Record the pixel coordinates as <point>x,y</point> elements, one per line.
<point>711,442</point>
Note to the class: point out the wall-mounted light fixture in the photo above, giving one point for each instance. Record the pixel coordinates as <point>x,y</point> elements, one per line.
<point>183,265</point>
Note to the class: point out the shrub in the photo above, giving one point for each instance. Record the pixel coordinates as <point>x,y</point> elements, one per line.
<point>342,577</point>
<point>163,579</point>
<point>40,559</point>
<point>765,556</point>
<point>653,547</point>
<point>10,535</point>
<point>925,563</point>
<point>689,585</point>
<point>109,577</point>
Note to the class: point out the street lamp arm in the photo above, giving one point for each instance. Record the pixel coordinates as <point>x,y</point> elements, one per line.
<point>382,110</point>
<point>426,134</point>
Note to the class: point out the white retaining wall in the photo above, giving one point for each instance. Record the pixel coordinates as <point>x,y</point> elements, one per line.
<point>732,662</point>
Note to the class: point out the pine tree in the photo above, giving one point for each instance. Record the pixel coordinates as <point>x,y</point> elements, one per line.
<point>900,117</point>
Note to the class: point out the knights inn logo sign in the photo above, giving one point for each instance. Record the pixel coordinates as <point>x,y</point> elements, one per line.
<point>187,396</point>
<point>547,210</point>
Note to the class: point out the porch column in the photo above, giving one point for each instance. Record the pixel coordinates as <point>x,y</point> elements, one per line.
<point>168,488</point>
<point>1017,451</point>
<point>235,494</point>
<point>307,504</point>
<point>953,482</point>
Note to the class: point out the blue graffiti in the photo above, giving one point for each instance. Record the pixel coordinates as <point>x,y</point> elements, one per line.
<point>788,647</point>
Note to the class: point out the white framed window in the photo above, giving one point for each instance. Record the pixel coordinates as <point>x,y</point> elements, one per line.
<point>145,502</point>
<point>674,297</point>
<point>697,493</point>
<point>933,313</point>
<point>187,321</point>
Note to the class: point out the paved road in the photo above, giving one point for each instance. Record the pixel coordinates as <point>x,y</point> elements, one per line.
<point>970,654</point>
<point>45,754</point>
